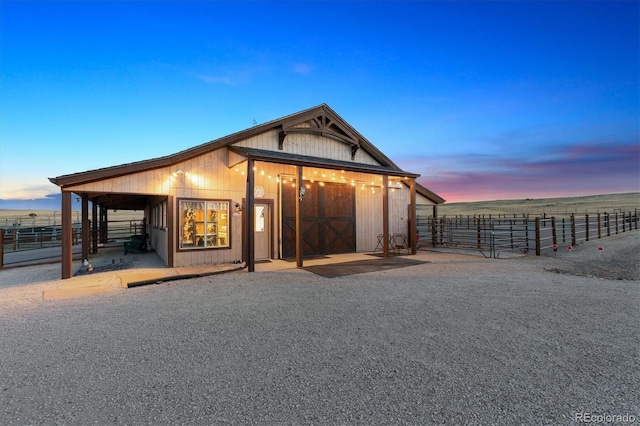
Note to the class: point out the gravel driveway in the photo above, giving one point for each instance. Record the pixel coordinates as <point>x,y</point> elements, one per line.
<point>458,340</point>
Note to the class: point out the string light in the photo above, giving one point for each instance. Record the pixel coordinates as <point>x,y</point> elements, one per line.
<point>317,177</point>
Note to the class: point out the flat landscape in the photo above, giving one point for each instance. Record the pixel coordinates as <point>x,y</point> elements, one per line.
<point>611,203</point>
<point>627,202</point>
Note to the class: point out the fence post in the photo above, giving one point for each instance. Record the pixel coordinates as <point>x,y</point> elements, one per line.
<point>573,229</point>
<point>479,236</point>
<point>442,224</point>
<point>586,224</point>
<point>599,226</point>
<point>607,220</point>
<point>624,221</point>
<point>1,248</point>
<point>434,235</point>
<point>538,236</point>
<point>511,232</point>
<point>616,223</point>
<point>553,230</point>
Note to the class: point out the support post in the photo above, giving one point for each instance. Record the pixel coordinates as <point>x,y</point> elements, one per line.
<point>413,240</point>
<point>385,215</point>
<point>249,213</point>
<point>84,234</point>
<point>94,227</point>
<point>104,225</point>
<point>299,236</point>
<point>171,230</point>
<point>67,230</point>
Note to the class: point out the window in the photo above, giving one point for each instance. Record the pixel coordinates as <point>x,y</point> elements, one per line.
<point>159,215</point>
<point>203,224</point>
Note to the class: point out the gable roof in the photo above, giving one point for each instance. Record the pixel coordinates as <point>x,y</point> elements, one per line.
<point>324,121</point>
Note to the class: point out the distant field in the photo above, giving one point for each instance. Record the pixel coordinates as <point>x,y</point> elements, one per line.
<point>51,217</point>
<point>610,203</point>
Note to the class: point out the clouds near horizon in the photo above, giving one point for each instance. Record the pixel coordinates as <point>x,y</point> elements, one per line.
<point>564,170</point>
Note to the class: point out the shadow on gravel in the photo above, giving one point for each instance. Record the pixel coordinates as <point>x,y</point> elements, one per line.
<point>362,266</point>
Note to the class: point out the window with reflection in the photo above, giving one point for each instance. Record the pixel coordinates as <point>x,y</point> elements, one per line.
<point>203,224</point>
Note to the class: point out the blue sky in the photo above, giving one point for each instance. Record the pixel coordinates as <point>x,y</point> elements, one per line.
<point>486,100</point>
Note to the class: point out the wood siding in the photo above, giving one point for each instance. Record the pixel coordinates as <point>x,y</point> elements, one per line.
<point>310,145</point>
<point>211,176</point>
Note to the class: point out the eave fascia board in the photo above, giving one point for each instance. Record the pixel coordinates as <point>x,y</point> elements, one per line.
<point>305,161</point>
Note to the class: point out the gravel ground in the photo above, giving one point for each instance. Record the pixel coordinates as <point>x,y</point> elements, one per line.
<point>459,340</point>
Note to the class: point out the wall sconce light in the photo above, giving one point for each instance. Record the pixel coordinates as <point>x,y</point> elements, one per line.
<point>238,208</point>
<point>302,191</point>
<point>178,172</point>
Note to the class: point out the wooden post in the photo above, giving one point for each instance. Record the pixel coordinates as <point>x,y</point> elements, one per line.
<point>553,230</point>
<point>249,213</point>
<point>171,231</point>
<point>511,232</point>
<point>607,220</point>
<point>94,227</point>
<point>299,236</point>
<point>586,224</point>
<point>616,223</point>
<point>413,241</point>
<point>385,215</point>
<point>84,234</point>
<point>434,231</point>
<point>599,226</point>
<point>478,233</point>
<point>573,229</point>
<point>104,225</point>
<point>537,236</point>
<point>67,230</point>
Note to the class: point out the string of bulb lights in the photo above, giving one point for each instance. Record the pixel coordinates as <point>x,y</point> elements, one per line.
<point>321,178</point>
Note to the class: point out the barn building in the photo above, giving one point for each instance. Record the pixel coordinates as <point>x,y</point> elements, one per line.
<point>303,185</point>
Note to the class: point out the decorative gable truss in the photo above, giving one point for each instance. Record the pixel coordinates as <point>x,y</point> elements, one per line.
<point>320,124</point>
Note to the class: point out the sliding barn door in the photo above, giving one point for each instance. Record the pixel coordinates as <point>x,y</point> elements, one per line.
<point>328,219</point>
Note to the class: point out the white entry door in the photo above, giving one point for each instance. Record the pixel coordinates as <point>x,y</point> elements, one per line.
<point>261,231</point>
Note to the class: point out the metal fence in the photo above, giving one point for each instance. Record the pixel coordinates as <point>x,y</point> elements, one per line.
<point>494,235</point>
<point>22,238</point>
